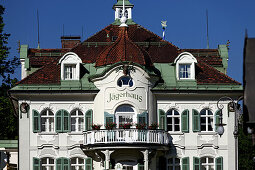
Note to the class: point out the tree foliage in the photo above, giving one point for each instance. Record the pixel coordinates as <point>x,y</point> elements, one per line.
<point>8,121</point>
<point>246,151</point>
<point>7,65</point>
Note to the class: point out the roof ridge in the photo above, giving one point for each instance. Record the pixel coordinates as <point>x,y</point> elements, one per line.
<point>159,37</point>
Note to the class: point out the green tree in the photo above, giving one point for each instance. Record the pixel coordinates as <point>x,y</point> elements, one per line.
<point>8,121</point>
<point>7,65</point>
<point>246,151</point>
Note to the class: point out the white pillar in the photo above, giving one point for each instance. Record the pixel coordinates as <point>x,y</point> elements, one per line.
<point>107,154</point>
<point>146,159</point>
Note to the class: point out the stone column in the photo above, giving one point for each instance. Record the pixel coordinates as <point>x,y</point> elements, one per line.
<point>146,159</point>
<point>107,154</point>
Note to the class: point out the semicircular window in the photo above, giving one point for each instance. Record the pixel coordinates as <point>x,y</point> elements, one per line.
<point>125,81</point>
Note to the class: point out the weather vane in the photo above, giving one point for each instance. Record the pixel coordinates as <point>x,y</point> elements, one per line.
<point>163,23</point>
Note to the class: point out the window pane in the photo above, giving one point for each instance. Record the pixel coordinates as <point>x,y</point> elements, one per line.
<point>51,161</point>
<point>73,161</point>
<point>169,128</point>
<point>81,161</point>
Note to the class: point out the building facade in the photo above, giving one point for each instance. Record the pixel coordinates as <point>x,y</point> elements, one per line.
<point>156,103</point>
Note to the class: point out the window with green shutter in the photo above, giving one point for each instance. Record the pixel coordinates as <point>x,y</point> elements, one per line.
<point>219,163</point>
<point>88,164</point>
<point>196,120</point>
<point>36,121</point>
<point>162,119</point>
<point>62,121</point>
<point>66,121</point>
<point>62,164</point>
<point>143,118</point>
<point>36,164</point>
<point>108,118</point>
<point>196,163</point>
<point>88,120</point>
<point>185,163</point>
<point>217,119</point>
<point>58,121</point>
<point>185,121</point>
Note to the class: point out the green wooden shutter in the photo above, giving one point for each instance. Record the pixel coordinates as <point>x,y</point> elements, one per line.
<point>36,121</point>
<point>196,163</point>
<point>36,164</point>
<point>59,164</point>
<point>108,118</point>
<point>185,163</point>
<point>219,163</point>
<point>88,120</point>
<point>143,118</point>
<point>162,119</point>
<point>88,164</point>
<point>185,121</point>
<point>66,121</point>
<point>196,120</point>
<point>217,119</point>
<point>65,164</point>
<point>58,124</point>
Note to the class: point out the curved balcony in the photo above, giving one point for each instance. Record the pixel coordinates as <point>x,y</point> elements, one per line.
<point>126,136</point>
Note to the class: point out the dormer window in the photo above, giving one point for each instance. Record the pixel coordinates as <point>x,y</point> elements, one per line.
<point>185,66</point>
<point>70,66</point>
<point>69,71</point>
<point>184,71</point>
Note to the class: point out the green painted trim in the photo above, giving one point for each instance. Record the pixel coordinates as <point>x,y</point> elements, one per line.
<point>185,163</point>
<point>162,119</point>
<point>36,119</point>
<point>219,163</point>
<point>196,163</point>
<point>88,114</point>
<point>217,119</point>
<point>36,163</point>
<point>9,144</point>
<point>106,69</point>
<point>129,22</point>
<point>223,51</point>
<point>120,3</point>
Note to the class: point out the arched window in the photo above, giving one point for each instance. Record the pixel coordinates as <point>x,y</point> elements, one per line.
<point>120,13</point>
<point>206,120</point>
<point>77,121</point>
<point>47,163</point>
<point>47,121</point>
<point>124,114</point>
<point>207,163</point>
<point>125,81</point>
<point>173,120</point>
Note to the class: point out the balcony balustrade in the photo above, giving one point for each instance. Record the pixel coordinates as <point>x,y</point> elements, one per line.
<point>126,136</point>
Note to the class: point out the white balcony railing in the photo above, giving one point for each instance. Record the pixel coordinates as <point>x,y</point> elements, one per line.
<point>126,136</point>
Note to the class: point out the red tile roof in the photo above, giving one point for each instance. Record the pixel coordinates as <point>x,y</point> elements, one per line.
<point>134,43</point>
<point>123,49</point>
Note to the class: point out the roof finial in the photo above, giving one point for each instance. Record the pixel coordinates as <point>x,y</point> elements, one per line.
<point>123,17</point>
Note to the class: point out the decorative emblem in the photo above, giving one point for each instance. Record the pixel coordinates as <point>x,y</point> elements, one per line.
<point>24,107</point>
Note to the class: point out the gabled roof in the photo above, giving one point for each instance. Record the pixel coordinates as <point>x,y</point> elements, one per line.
<point>114,44</point>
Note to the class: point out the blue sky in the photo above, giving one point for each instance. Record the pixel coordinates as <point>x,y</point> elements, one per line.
<point>228,20</point>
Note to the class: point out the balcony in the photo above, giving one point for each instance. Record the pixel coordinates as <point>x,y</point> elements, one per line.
<point>126,136</point>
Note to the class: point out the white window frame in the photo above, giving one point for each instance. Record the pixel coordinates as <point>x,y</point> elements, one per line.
<point>48,166</point>
<point>70,59</point>
<point>185,58</point>
<point>77,165</point>
<point>126,114</point>
<point>173,165</point>
<point>79,127</point>
<point>206,124</point>
<point>173,117</point>
<point>206,164</point>
<point>49,126</point>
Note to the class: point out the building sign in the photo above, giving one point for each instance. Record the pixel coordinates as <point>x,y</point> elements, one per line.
<point>137,96</point>
<point>119,96</point>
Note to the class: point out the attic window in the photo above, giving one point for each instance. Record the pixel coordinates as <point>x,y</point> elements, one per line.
<point>185,66</point>
<point>114,38</point>
<point>70,66</point>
